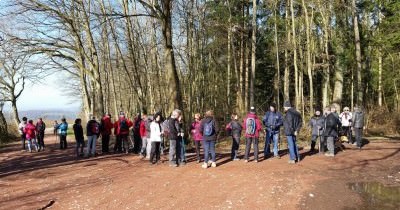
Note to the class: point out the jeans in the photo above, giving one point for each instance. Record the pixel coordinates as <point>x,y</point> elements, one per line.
<point>183,150</point>
<point>235,147</point>
<point>79,144</point>
<point>197,145</point>
<point>358,132</point>
<point>63,141</point>
<point>91,145</point>
<point>293,150</point>
<point>124,141</point>
<point>209,147</point>
<point>250,140</point>
<point>105,141</point>
<point>30,142</point>
<point>174,150</point>
<point>155,151</point>
<point>144,146</point>
<point>330,140</point>
<point>271,136</point>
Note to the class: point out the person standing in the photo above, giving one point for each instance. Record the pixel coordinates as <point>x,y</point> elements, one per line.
<point>105,131</point>
<point>209,129</point>
<point>21,131</point>
<point>137,140</point>
<point>92,132</point>
<point>40,129</point>
<point>272,122</point>
<point>144,134</point>
<point>234,128</point>
<point>196,135</point>
<point>252,126</point>
<point>358,125</point>
<point>292,123</point>
<point>173,135</point>
<point>155,138</point>
<point>55,125</point>
<point>331,131</point>
<point>80,141</point>
<point>182,160</point>
<point>121,130</point>
<point>30,130</point>
<point>63,127</point>
<point>316,125</point>
<point>346,118</point>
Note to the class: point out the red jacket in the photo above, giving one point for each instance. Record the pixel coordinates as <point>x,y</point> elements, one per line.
<point>106,126</point>
<point>117,130</point>
<point>258,126</point>
<point>30,131</point>
<point>142,129</point>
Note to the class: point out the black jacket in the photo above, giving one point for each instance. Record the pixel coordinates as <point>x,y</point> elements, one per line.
<point>292,122</point>
<point>89,125</point>
<point>358,119</point>
<point>174,129</point>
<point>213,137</point>
<point>236,128</point>
<point>332,124</point>
<point>78,132</point>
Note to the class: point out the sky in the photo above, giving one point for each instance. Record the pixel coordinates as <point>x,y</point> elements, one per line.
<point>45,96</point>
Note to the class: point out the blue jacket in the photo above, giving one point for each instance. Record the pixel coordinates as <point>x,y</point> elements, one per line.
<point>63,127</point>
<point>273,121</point>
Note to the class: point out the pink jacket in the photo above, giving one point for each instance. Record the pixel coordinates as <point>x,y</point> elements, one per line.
<point>30,131</point>
<point>258,126</point>
<point>195,131</point>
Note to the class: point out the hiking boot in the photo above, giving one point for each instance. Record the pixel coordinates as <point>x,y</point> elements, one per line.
<point>256,161</point>
<point>173,165</point>
<point>329,154</point>
<point>292,162</point>
<point>205,165</point>
<point>277,157</point>
<point>236,159</point>
<point>246,161</point>
<point>198,161</point>
<point>213,164</point>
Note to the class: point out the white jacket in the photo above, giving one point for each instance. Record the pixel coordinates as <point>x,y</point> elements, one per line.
<point>345,118</point>
<point>155,132</point>
<point>21,128</point>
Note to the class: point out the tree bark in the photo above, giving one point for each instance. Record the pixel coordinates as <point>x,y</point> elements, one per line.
<point>253,52</point>
<point>358,54</point>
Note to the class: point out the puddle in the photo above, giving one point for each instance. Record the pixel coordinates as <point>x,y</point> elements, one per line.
<point>377,196</point>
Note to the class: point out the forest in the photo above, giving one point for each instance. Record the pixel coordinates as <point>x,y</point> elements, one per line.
<point>195,55</point>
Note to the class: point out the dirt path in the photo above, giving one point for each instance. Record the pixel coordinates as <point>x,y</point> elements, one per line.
<point>31,180</point>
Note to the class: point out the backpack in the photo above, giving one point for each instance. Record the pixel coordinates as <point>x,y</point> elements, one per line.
<point>94,127</point>
<point>209,128</point>
<point>123,125</point>
<point>250,126</point>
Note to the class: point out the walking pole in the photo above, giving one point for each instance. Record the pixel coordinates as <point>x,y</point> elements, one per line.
<point>319,141</point>
<point>297,149</point>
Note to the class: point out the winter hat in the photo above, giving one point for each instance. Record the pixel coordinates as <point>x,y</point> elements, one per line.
<point>287,104</point>
<point>317,108</point>
<point>252,109</point>
<point>273,104</point>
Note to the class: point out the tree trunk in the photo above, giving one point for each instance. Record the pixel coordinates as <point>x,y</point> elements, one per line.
<point>309,64</point>
<point>358,54</point>
<point>380,87</point>
<point>294,46</point>
<point>286,90</point>
<point>277,64</point>
<point>15,110</point>
<point>253,52</point>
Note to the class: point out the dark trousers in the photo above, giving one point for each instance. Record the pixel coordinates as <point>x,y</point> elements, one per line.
<point>155,151</point>
<point>63,141</point>
<point>197,145</point>
<point>40,139</point>
<point>174,150</point>
<point>358,132</point>
<point>23,139</point>
<point>137,143</point>
<point>118,144</point>
<point>248,147</point>
<point>105,141</point>
<point>347,132</point>
<point>235,147</point>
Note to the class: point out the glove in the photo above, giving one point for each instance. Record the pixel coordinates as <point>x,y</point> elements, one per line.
<point>295,133</point>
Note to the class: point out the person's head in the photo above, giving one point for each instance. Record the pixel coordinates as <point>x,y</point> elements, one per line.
<point>78,121</point>
<point>210,113</point>
<point>357,108</point>
<point>63,120</point>
<point>272,107</point>
<point>144,115</point>
<point>30,121</point>
<point>328,110</point>
<point>287,106</point>
<point>234,116</point>
<point>157,117</point>
<point>55,122</point>
<point>252,110</point>
<point>24,119</point>
<point>333,108</point>
<point>176,113</point>
<point>40,119</point>
<point>346,109</point>
<point>197,116</point>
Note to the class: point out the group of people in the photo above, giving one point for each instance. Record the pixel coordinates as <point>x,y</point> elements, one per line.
<point>146,135</point>
<point>32,133</point>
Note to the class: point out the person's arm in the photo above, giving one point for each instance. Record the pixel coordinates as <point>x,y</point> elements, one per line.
<point>279,121</point>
